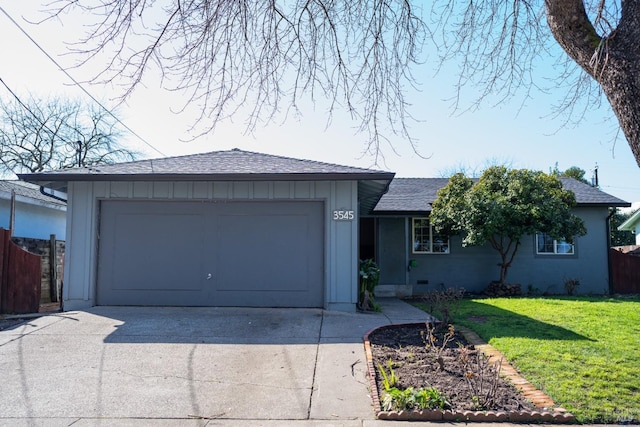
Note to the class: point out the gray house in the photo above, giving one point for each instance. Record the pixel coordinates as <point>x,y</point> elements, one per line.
<point>226,228</point>
<point>414,259</point>
<point>236,228</point>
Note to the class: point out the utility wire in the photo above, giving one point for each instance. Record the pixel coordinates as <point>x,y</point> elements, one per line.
<point>35,116</point>
<point>23,104</point>
<point>76,83</point>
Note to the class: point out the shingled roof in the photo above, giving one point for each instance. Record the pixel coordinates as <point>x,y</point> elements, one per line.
<point>230,165</point>
<point>415,195</point>
<point>26,192</point>
<point>219,165</point>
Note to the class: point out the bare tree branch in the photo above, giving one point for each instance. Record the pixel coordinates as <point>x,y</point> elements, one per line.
<point>260,58</point>
<point>41,135</point>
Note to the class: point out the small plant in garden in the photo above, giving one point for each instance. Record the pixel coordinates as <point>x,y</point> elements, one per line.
<point>409,399</point>
<point>430,398</point>
<point>431,342</point>
<point>395,399</point>
<point>480,377</point>
<point>389,380</point>
<point>369,278</point>
<point>443,303</point>
<point>570,285</point>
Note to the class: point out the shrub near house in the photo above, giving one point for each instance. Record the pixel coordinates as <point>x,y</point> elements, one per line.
<point>503,207</point>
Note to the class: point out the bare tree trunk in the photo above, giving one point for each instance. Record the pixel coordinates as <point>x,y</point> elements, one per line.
<point>612,60</point>
<point>503,269</point>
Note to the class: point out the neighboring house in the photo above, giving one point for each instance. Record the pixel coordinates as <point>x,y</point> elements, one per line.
<point>632,224</point>
<point>36,215</point>
<point>413,258</point>
<point>236,228</point>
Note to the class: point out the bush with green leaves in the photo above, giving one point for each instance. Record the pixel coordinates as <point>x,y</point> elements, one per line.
<point>411,399</point>
<point>369,278</point>
<point>395,399</point>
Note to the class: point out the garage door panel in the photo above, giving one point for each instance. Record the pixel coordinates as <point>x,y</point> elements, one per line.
<point>258,253</point>
<point>211,254</point>
<point>273,254</point>
<point>148,254</point>
<point>138,260</point>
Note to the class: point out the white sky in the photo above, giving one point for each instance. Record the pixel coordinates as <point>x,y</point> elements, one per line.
<point>522,137</point>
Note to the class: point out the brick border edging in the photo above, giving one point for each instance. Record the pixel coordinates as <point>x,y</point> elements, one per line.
<point>547,413</point>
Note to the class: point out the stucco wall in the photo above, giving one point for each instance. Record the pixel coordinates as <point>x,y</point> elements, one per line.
<point>34,220</point>
<point>341,237</point>
<point>475,267</point>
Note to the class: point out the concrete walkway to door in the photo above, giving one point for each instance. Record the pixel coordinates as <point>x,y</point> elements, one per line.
<point>169,366</point>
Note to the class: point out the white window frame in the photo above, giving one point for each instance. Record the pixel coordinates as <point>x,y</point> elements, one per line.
<point>556,245</point>
<point>444,245</point>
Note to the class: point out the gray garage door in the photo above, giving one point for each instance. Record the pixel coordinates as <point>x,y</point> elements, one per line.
<point>257,254</point>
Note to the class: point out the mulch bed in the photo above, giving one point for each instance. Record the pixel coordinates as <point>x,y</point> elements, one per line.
<point>415,364</point>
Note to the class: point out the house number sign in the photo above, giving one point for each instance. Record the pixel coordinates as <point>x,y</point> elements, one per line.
<point>343,215</point>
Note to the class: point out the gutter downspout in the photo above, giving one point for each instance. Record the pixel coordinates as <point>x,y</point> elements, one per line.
<point>608,230</point>
<point>53,196</point>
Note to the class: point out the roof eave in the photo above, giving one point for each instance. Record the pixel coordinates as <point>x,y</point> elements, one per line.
<point>60,181</point>
<point>314,176</point>
<point>630,223</point>
<point>400,213</point>
<point>620,204</point>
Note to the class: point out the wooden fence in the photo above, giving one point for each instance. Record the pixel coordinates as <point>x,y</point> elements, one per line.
<point>51,252</point>
<point>20,275</point>
<point>625,272</point>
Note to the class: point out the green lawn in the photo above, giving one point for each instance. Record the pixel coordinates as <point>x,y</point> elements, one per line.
<point>583,352</point>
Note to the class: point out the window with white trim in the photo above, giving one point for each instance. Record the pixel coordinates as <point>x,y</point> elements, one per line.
<point>546,245</point>
<point>426,240</point>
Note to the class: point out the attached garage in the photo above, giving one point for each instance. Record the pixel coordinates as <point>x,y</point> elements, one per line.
<point>226,228</point>
<point>211,253</point>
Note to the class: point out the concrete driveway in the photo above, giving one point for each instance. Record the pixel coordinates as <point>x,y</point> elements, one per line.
<point>190,366</point>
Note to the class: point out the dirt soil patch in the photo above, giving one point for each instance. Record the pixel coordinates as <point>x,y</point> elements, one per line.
<point>415,364</point>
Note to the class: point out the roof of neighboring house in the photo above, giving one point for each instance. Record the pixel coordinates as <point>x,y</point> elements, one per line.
<point>631,223</point>
<point>26,192</point>
<point>415,195</point>
<point>230,165</point>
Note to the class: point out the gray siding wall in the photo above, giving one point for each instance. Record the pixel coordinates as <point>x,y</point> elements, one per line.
<point>341,237</point>
<point>475,267</point>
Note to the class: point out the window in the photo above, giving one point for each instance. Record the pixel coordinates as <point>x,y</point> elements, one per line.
<point>547,245</point>
<point>426,240</point>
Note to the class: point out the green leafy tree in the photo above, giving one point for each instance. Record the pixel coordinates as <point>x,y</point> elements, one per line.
<point>502,207</point>
<point>619,237</point>
<point>573,172</point>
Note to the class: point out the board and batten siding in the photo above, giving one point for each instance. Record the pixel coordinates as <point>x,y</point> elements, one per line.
<point>340,245</point>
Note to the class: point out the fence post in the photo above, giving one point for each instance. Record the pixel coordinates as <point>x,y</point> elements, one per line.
<point>12,213</point>
<point>3,267</point>
<point>53,269</point>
